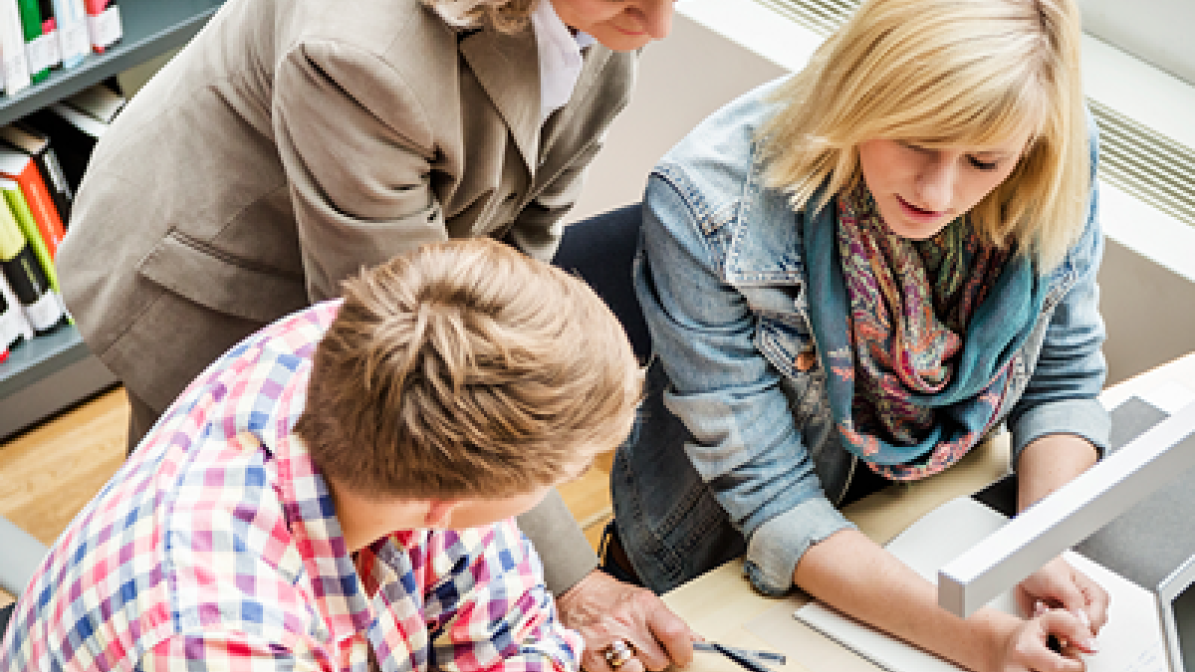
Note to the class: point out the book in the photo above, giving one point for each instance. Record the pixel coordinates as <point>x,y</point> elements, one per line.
<point>12,48</point>
<point>73,136</point>
<point>19,209</point>
<point>37,145</point>
<point>21,168</point>
<point>103,23</point>
<point>35,42</point>
<point>13,324</point>
<point>98,101</point>
<point>74,44</point>
<point>41,305</point>
<point>1131,640</point>
<point>49,31</point>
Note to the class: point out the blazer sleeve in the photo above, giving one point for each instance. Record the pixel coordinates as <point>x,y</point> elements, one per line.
<point>356,144</point>
<point>538,228</point>
<point>559,540</point>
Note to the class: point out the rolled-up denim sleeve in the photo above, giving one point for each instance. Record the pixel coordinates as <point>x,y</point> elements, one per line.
<point>744,441</point>
<point>1061,395</point>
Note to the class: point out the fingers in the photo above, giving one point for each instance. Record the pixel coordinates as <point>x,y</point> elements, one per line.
<point>1071,630</point>
<point>1060,627</point>
<point>604,610</point>
<point>632,665</point>
<point>1083,597</point>
<point>670,632</point>
<point>653,655</point>
<point>1097,599</point>
<point>1061,586</point>
<point>1063,589</point>
<point>618,655</point>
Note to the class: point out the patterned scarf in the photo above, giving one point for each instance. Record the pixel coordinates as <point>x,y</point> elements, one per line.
<point>917,359</point>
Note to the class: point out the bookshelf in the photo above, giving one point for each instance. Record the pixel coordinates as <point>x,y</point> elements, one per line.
<point>55,370</point>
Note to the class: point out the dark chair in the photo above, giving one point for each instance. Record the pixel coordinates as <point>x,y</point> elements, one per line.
<point>5,616</point>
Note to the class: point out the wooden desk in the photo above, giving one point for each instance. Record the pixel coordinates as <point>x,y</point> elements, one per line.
<point>722,606</point>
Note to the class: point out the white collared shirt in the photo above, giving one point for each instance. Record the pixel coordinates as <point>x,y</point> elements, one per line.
<point>559,58</point>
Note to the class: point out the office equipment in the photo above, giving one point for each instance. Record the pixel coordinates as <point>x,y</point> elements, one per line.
<point>1137,552</point>
<point>722,606</point>
<point>1070,514</point>
<point>1176,607</point>
<point>747,662</point>
<point>700,645</point>
<point>1130,642</point>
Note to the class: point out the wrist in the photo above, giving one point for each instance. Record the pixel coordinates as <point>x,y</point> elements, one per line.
<point>992,630</point>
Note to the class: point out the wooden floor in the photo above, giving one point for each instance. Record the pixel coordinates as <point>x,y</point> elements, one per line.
<point>50,472</point>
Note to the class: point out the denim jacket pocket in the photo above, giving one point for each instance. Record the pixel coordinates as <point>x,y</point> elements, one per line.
<point>783,336</point>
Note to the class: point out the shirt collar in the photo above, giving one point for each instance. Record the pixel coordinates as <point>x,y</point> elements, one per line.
<point>560,57</point>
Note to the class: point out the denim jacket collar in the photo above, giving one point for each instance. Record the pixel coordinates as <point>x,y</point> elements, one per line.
<point>772,254</point>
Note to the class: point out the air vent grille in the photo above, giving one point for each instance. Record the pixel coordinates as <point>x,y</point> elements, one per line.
<point>822,16</point>
<point>1152,167</point>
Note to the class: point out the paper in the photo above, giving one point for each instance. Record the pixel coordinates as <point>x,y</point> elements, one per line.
<point>1130,642</point>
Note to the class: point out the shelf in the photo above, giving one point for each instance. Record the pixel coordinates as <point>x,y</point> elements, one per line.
<point>54,371</point>
<point>45,375</point>
<point>151,27</point>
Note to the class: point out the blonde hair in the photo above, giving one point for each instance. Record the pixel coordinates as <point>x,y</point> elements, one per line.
<point>466,369</point>
<point>945,73</point>
<point>506,16</point>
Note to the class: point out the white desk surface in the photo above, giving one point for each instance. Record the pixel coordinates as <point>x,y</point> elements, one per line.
<point>721,605</point>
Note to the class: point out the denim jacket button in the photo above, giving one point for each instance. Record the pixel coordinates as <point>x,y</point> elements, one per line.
<point>805,360</point>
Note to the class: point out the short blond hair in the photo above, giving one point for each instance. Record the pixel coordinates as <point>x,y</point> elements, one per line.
<point>506,16</point>
<point>947,73</point>
<point>467,369</point>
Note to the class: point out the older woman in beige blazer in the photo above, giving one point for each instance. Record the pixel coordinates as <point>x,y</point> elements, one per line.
<point>293,142</point>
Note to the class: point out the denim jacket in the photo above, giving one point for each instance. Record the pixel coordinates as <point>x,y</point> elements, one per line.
<point>735,449</point>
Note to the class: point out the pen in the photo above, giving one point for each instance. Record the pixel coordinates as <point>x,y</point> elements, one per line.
<point>700,645</point>
<point>743,660</point>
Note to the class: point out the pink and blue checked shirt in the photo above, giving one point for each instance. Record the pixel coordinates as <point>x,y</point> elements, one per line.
<point>216,547</point>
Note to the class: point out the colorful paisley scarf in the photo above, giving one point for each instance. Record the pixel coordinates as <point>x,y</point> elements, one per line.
<point>916,337</point>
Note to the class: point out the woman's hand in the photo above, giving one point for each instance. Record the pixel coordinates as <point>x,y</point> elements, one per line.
<point>1027,647</point>
<point>1057,585</point>
<point>604,609</point>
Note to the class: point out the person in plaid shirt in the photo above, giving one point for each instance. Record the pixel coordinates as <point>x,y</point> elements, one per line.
<point>337,491</point>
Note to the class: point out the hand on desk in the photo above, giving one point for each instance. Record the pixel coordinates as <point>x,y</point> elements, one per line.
<point>604,609</point>
<point>1060,586</point>
<point>1026,647</point>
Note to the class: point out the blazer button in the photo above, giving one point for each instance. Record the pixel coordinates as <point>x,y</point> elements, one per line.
<point>805,360</point>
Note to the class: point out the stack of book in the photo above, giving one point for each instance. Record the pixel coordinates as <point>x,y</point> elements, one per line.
<point>42,158</point>
<point>37,36</point>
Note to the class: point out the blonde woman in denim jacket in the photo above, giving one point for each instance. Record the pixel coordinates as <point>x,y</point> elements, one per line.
<point>855,275</point>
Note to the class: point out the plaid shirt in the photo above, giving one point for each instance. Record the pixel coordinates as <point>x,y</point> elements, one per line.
<point>216,547</point>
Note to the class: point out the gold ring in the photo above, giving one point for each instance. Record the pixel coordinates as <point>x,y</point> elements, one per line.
<point>619,652</point>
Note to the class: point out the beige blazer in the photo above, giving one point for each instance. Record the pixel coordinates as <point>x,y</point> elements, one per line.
<point>293,142</point>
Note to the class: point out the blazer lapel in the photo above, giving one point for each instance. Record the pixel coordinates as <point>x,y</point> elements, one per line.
<point>596,57</point>
<point>507,66</point>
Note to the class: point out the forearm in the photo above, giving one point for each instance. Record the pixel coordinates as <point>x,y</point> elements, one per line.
<point>1048,463</point>
<point>855,575</point>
